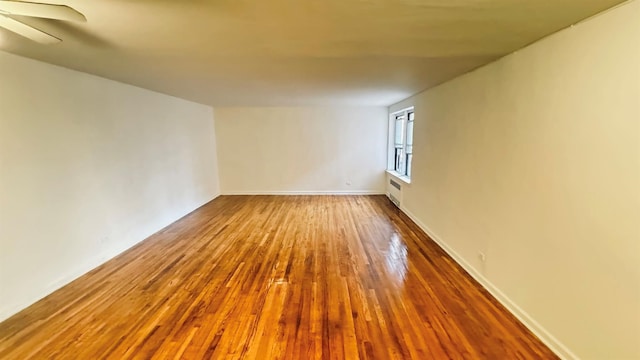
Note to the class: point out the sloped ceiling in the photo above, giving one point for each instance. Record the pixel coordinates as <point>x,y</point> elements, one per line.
<point>294,52</point>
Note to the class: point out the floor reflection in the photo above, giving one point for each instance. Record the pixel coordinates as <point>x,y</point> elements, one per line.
<point>396,258</point>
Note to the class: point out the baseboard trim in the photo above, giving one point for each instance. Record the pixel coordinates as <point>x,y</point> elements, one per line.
<point>321,192</point>
<point>545,336</point>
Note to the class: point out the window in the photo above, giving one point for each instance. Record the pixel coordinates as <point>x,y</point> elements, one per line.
<point>402,147</point>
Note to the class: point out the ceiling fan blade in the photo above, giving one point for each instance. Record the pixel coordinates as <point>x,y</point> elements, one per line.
<point>47,11</point>
<point>27,31</point>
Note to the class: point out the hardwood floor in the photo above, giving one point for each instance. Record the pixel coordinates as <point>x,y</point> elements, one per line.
<point>275,277</point>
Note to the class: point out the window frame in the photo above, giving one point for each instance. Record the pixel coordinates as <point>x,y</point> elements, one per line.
<point>401,153</point>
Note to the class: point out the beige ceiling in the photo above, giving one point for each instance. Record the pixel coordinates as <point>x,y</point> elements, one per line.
<point>294,52</point>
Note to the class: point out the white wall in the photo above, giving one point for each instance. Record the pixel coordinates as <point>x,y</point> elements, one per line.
<point>534,160</point>
<point>302,150</point>
<point>88,168</point>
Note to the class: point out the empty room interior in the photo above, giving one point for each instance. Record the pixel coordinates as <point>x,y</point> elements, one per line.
<point>336,179</point>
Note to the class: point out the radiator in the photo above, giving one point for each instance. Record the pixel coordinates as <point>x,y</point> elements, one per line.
<point>394,191</point>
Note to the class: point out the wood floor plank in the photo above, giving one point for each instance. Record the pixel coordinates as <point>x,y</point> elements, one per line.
<point>275,277</point>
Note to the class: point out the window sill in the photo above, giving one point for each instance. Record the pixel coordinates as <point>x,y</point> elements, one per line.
<point>397,175</point>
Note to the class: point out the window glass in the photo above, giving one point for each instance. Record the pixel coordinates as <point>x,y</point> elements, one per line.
<point>402,150</point>
<point>410,136</point>
<point>399,131</point>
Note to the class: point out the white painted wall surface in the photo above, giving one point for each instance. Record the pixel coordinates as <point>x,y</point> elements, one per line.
<point>302,150</point>
<point>534,161</point>
<point>88,168</point>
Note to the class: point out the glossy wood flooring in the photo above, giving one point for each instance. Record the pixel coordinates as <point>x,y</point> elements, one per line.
<point>271,277</point>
